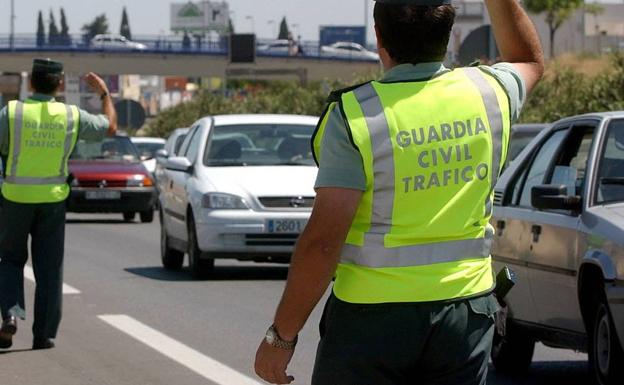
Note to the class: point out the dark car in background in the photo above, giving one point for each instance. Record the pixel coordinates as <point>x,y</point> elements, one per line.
<point>108,177</point>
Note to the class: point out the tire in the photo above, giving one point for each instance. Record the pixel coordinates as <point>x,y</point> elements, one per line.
<point>200,268</point>
<point>147,216</point>
<point>605,352</point>
<point>513,353</point>
<point>171,259</point>
<point>129,216</point>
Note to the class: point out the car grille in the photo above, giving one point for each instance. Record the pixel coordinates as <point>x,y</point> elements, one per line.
<point>99,183</point>
<point>498,198</point>
<point>287,202</point>
<point>271,239</point>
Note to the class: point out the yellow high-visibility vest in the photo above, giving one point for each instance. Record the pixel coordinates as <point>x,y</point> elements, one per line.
<point>42,136</point>
<point>432,152</point>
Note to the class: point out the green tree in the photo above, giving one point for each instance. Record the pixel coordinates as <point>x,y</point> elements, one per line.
<point>41,38</point>
<point>64,37</point>
<point>556,12</point>
<point>98,26</point>
<point>284,32</point>
<point>125,25</point>
<point>53,32</point>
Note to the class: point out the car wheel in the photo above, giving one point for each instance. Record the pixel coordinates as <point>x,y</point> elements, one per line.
<point>200,268</point>
<point>605,353</point>
<point>513,352</point>
<point>129,216</point>
<point>171,259</point>
<point>147,216</point>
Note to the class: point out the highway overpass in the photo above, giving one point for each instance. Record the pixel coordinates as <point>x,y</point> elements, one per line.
<point>192,65</point>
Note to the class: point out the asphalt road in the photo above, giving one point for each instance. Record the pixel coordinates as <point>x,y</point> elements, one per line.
<point>134,323</point>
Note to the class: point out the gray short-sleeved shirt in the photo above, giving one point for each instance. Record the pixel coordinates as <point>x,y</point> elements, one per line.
<point>341,164</point>
<point>92,127</point>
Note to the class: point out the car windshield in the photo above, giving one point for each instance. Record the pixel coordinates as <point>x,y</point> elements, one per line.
<point>117,149</point>
<point>260,145</point>
<point>148,150</point>
<point>610,181</point>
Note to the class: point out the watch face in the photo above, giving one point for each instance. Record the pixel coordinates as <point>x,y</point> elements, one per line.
<point>270,337</point>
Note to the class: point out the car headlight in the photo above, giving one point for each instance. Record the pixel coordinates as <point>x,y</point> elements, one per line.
<point>139,180</point>
<point>221,201</point>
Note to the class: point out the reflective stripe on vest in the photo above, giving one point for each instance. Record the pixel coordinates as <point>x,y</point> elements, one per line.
<point>67,148</point>
<point>373,253</point>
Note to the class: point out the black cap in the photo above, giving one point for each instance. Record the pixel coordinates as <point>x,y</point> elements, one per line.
<point>431,3</point>
<point>47,66</point>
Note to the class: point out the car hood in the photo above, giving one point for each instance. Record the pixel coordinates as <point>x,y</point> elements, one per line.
<point>606,221</point>
<point>263,181</point>
<point>79,168</point>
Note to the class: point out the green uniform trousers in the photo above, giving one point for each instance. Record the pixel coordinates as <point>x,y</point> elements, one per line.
<point>45,223</point>
<point>434,343</point>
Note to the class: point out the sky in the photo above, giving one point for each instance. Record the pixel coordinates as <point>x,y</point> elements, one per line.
<point>151,17</point>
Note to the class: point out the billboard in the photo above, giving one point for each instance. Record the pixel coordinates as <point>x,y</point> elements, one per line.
<point>333,34</point>
<point>200,17</point>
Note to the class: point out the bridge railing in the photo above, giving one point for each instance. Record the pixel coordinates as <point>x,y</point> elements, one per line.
<point>166,45</point>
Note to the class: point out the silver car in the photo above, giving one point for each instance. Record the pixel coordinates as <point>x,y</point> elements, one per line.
<point>241,187</point>
<point>559,219</point>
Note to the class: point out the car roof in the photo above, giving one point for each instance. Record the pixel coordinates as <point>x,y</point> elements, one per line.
<point>532,128</point>
<point>595,115</point>
<point>229,120</point>
<point>147,140</point>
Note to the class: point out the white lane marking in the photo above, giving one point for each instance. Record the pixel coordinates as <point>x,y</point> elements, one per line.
<point>205,366</point>
<point>29,274</point>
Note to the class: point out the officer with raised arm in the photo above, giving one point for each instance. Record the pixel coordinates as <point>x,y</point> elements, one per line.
<point>37,137</point>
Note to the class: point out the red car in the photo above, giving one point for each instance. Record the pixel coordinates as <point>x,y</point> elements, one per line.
<point>108,177</point>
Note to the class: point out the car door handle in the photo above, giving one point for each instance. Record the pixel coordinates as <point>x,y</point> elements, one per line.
<point>536,230</point>
<point>500,228</point>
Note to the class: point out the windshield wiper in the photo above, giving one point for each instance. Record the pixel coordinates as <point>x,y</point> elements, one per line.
<point>293,164</point>
<point>228,164</point>
<point>613,180</point>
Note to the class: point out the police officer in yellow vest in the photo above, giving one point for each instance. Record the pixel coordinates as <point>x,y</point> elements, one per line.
<point>37,137</point>
<point>407,167</point>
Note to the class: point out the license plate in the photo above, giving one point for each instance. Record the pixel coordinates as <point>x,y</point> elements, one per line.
<point>103,195</point>
<point>286,226</point>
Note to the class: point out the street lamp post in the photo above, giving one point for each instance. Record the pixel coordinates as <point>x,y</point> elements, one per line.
<point>253,23</point>
<point>366,4</point>
<point>12,35</point>
<point>273,25</point>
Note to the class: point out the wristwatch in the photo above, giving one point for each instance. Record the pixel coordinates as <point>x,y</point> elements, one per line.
<point>105,94</point>
<point>273,338</point>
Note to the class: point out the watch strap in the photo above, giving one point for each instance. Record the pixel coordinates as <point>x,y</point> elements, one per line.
<point>279,342</point>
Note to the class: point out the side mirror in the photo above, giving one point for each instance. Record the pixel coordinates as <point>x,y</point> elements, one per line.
<point>162,153</point>
<point>554,197</point>
<point>179,164</point>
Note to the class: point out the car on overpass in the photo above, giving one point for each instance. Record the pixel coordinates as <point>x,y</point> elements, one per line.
<point>108,177</point>
<point>348,50</point>
<point>559,220</point>
<point>115,42</point>
<point>241,187</point>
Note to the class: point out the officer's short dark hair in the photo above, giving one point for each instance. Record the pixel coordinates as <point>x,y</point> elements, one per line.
<point>45,83</point>
<point>414,33</point>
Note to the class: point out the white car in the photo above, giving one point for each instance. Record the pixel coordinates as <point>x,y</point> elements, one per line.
<point>347,50</point>
<point>242,187</point>
<point>278,47</point>
<point>148,147</point>
<point>116,42</point>
<point>171,149</point>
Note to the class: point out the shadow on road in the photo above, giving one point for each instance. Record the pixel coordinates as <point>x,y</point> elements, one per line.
<point>101,221</point>
<point>545,373</point>
<point>221,273</point>
<point>15,351</point>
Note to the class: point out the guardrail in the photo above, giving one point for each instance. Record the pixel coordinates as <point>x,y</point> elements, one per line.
<point>166,45</point>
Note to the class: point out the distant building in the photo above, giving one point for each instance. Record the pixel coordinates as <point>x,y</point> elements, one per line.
<point>582,32</point>
<point>200,17</point>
